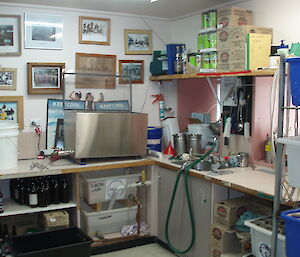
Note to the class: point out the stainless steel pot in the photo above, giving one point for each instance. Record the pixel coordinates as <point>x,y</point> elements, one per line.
<point>193,143</point>
<point>179,143</point>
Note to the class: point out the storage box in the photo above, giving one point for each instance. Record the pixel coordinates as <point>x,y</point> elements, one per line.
<point>96,190</point>
<point>55,219</point>
<point>107,221</point>
<point>224,239</point>
<point>65,242</point>
<point>233,16</point>
<point>234,59</point>
<point>242,31</point>
<point>261,239</point>
<point>229,211</point>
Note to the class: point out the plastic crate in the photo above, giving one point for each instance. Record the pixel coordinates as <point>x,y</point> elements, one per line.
<point>261,238</point>
<point>292,230</point>
<point>63,242</point>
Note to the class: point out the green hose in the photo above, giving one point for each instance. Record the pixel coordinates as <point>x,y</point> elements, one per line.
<point>186,170</point>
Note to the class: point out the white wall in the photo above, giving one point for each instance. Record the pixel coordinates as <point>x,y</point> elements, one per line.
<point>35,106</point>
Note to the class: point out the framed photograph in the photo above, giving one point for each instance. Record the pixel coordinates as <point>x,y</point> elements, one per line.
<point>104,66</point>
<point>10,35</point>
<point>43,31</point>
<point>131,69</point>
<point>8,79</point>
<point>45,78</point>
<point>138,41</point>
<point>11,108</point>
<point>95,31</point>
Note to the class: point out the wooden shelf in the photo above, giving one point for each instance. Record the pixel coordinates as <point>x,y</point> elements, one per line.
<point>13,208</point>
<point>266,72</point>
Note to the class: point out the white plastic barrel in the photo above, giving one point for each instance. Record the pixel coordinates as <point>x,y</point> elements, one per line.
<point>8,144</point>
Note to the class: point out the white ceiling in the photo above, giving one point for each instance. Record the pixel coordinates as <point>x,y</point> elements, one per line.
<point>161,8</point>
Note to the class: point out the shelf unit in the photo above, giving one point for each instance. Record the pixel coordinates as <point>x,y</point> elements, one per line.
<point>264,72</point>
<point>13,208</point>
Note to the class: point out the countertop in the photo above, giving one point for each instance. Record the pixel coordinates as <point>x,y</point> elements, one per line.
<point>248,180</point>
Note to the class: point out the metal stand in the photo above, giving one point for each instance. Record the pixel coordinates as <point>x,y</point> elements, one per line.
<point>279,152</point>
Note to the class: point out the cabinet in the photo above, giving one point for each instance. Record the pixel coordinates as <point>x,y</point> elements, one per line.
<point>180,228</point>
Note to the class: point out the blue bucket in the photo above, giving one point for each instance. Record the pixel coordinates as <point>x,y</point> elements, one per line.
<point>295,79</point>
<point>154,138</point>
<point>292,231</point>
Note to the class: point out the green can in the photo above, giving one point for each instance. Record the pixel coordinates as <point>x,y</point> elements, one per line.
<point>192,60</point>
<point>212,18</point>
<point>200,42</point>
<point>206,43</point>
<point>213,60</point>
<point>198,60</point>
<point>205,61</point>
<point>205,20</point>
<point>213,39</point>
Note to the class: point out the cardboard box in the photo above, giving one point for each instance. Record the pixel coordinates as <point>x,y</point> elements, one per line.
<point>229,211</point>
<point>235,37</point>
<point>233,16</point>
<point>234,59</point>
<point>224,239</point>
<point>55,219</point>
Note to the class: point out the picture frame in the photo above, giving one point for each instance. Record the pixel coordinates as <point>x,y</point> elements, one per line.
<point>138,41</point>
<point>10,35</point>
<point>8,78</point>
<point>44,78</point>
<point>97,71</point>
<point>43,31</point>
<point>11,108</point>
<point>94,30</point>
<point>133,68</point>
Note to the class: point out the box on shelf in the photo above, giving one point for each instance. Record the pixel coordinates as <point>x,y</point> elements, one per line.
<point>233,16</point>
<point>224,239</point>
<point>234,59</point>
<point>242,31</point>
<point>229,211</point>
<point>107,221</point>
<point>55,219</point>
<point>99,189</point>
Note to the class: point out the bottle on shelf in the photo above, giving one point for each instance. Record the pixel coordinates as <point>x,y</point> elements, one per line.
<point>21,192</point>
<point>183,59</point>
<point>64,191</point>
<point>178,61</point>
<point>42,196</point>
<point>1,202</point>
<point>47,190</point>
<point>55,191</point>
<point>33,195</point>
<point>16,190</point>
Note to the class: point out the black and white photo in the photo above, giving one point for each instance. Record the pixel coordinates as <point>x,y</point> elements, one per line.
<point>43,31</point>
<point>131,71</point>
<point>94,30</point>
<point>8,77</point>
<point>138,42</point>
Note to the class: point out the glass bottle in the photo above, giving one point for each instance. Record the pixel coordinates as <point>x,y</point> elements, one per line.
<point>178,61</point>
<point>64,191</point>
<point>55,191</point>
<point>42,201</point>
<point>33,195</point>
<point>21,190</point>
<point>1,202</point>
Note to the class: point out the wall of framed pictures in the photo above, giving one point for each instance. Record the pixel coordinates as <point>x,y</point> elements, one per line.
<point>87,32</point>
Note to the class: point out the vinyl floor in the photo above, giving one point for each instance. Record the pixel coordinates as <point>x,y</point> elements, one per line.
<point>149,250</point>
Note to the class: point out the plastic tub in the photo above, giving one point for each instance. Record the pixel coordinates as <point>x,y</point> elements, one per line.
<point>261,240</point>
<point>63,242</point>
<point>292,230</point>
<point>295,79</point>
<point>8,144</point>
<point>154,138</point>
<point>293,153</point>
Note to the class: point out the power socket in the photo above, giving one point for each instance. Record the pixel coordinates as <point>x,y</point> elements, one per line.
<point>37,122</point>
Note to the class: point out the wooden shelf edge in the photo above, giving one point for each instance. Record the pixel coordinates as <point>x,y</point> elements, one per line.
<point>265,72</point>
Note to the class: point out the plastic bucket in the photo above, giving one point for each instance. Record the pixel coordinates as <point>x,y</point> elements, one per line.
<point>295,79</point>
<point>154,138</point>
<point>8,145</point>
<point>292,230</point>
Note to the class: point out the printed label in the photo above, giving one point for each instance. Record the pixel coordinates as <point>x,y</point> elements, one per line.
<point>264,250</point>
<point>33,199</point>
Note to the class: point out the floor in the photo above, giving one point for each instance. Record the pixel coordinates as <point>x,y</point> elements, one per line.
<point>149,250</point>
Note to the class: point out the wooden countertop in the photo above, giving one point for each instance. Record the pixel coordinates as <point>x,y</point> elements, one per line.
<point>251,181</point>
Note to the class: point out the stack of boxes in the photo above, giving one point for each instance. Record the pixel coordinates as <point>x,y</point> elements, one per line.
<point>238,48</point>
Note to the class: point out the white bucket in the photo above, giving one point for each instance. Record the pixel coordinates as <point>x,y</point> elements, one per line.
<point>8,144</point>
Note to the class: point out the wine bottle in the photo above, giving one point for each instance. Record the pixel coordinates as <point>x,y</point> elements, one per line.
<point>55,191</point>
<point>64,191</point>
<point>1,202</point>
<point>33,195</point>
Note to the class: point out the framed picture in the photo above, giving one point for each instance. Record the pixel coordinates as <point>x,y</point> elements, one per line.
<point>98,71</point>
<point>94,30</point>
<point>10,35</point>
<point>8,79</point>
<point>138,41</point>
<point>11,108</point>
<point>130,69</point>
<point>45,78</point>
<point>43,31</point>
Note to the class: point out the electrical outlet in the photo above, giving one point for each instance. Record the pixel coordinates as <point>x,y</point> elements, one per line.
<point>37,122</point>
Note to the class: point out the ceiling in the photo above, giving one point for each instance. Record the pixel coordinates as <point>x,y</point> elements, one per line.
<point>162,8</point>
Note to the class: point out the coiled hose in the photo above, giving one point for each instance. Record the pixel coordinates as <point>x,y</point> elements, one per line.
<point>185,169</point>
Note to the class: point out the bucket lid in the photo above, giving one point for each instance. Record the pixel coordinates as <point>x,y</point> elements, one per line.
<point>293,59</point>
<point>8,124</point>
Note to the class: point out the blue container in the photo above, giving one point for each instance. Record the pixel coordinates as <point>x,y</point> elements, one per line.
<point>292,231</point>
<point>154,138</point>
<point>295,79</point>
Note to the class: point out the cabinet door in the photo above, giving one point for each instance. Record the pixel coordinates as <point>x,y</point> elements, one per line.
<point>179,226</point>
